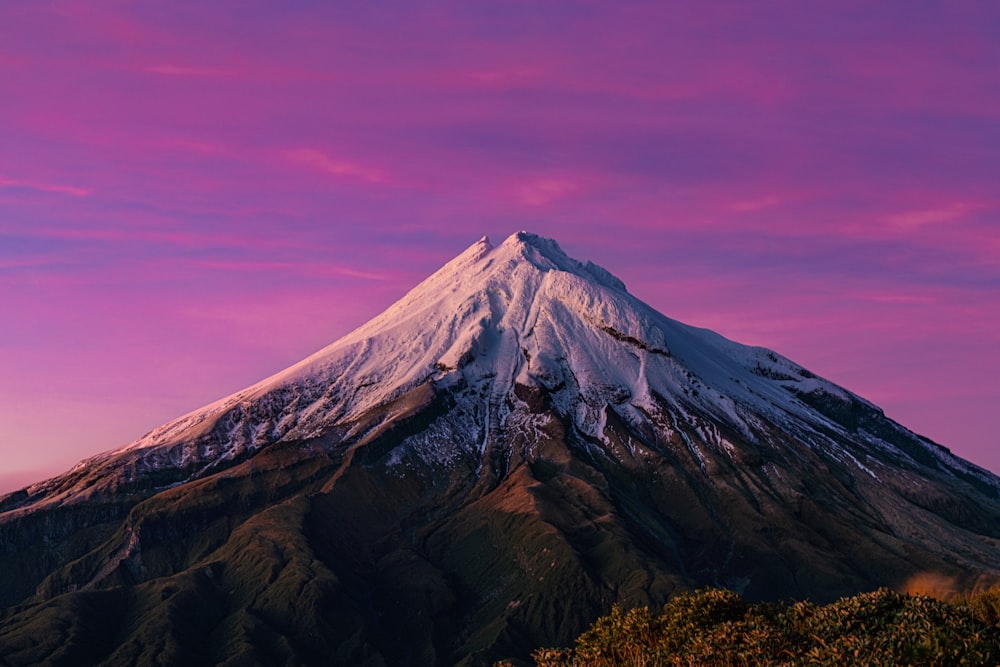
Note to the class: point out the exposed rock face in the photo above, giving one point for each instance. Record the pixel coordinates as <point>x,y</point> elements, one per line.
<point>482,469</point>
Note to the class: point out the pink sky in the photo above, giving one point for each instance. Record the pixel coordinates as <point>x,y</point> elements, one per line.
<point>196,195</point>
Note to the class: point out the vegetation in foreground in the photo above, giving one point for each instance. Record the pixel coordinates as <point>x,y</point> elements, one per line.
<point>717,627</point>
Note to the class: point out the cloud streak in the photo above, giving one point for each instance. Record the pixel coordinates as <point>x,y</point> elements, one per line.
<point>55,188</point>
<point>186,70</point>
<point>933,216</point>
<point>336,167</point>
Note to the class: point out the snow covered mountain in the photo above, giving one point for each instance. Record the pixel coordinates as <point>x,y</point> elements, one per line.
<point>518,437</point>
<point>522,315</point>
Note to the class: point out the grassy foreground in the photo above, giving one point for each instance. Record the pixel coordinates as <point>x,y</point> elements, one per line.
<point>717,627</point>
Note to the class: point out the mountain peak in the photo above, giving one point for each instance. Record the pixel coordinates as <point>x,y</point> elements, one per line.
<point>546,254</point>
<point>524,239</point>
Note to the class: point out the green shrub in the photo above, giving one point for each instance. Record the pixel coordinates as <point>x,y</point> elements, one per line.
<point>717,627</point>
<point>986,606</point>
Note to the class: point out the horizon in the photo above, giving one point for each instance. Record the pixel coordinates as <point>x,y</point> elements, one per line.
<point>196,197</point>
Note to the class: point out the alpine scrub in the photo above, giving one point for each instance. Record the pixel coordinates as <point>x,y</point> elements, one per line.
<point>717,627</point>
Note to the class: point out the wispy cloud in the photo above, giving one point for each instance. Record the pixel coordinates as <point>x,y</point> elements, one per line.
<point>193,146</point>
<point>545,190</point>
<point>503,78</point>
<point>759,204</point>
<point>337,167</point>
<point>897,298</point>
<point>311,268</point>
<point>932,216</point>
<point>29,262</point>
<point>355,273</point>
<point>186,70</point>
<point>58,188</point>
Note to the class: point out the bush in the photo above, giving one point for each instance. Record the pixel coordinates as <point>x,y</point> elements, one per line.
<point>717,627</point>
<point>985,606</point>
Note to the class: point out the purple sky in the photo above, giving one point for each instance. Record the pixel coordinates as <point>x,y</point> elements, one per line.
<point>194,195</point>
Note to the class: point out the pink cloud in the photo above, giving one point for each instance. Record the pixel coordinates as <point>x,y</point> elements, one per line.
<point>191,145</point>
<point>183,70</point>
<point>296,267</point>
<point>905,297</point>
<point>542,191</point>
<point>337,167</point>
<point>57,188</point>
<point>930,216</point>
<point>751,205</point>
<point>502,77</point>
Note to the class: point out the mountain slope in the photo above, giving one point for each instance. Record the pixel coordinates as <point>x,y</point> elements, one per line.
<point>483,468</point>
